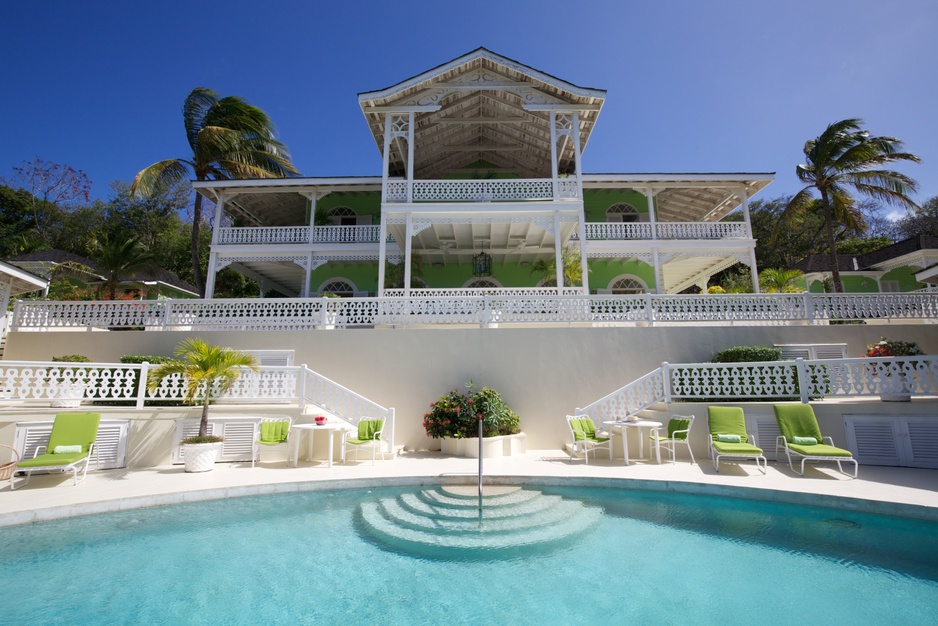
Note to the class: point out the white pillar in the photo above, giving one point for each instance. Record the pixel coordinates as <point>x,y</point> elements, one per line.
<point>584,263</point>
<point>408,245</point>
<point>382,251</point>
<point>576,154</point>
<point>558,252</point>
<point>553,155</point>
<point>659,276</point>
<point>210,277</point>
<point>754,271</point>
<point>304,291</point>
<point>652,218</point>
<point>744,201</point>
<point>410,158</point>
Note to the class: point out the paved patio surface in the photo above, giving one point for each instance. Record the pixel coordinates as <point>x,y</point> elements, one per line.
<point>891,490</point>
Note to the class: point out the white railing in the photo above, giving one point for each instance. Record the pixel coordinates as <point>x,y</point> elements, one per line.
<point>35,381</point>
<point>298,234</point>
<point>771,380</point>
<point>501,306</point>
<point>666,230</point>
<point>487,190</point>
<point>497,291</point>
<point>347,234</point>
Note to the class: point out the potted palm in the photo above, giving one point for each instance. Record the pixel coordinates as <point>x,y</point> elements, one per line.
<point>208,372</point>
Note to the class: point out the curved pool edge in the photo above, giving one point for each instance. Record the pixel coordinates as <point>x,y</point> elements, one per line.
<point>846,503</point>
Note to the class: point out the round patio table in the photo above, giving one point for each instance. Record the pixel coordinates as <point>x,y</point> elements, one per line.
<point>640,424</point>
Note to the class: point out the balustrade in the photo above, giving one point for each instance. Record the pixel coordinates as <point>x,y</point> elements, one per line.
<point>260,235</point>
<point>482,190</point>
<point>666,230</point>
<point>772,380</point>
<point>474,306</point>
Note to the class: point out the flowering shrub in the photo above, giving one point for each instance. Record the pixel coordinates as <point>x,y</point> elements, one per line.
<point>456,414</point>
<point>892,347</point>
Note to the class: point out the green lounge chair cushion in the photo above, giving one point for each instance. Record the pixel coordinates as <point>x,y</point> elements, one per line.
<point>71,429</point>
<point>797,420</point>
<point>727,420</point>
<point>820,449</point>
<point>675,423</point>
<point>367,429</point>
<point>804,441</point>
<point>52,460</point>
<point>274,432</point>
<point>740,449</point>
<point>67,449</point>
<point>729,438</point>
<point>583,428</point>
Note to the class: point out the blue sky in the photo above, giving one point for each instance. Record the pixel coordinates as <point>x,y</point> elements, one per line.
<point>719,86</point>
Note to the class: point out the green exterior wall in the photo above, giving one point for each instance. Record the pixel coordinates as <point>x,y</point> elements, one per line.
<point>906,278</point>
<point>596,201</point>
<point>363,275</point>
<point>362,204</point>
<point>852,284</point>
<point>603,271</point>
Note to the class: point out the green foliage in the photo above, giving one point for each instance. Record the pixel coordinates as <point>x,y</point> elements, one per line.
<point>893,347</point>
<point>780,280</point>
<point>394,274</point>
<point>572,268</point>
<point>196,439</point>
<point>71,358</point>
<point>857,245</point>
<point>152,359</point>
<point>744,354</point>
<point>457,414</point>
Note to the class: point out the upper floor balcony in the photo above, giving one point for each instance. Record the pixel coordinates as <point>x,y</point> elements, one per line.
<point>263,235</point>
<point>482,190</point>
<point>666,230</point>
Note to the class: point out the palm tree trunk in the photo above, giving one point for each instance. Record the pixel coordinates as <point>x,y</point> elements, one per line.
<point>196,263</point>
<point>203,425</point>
<point>831,244</point>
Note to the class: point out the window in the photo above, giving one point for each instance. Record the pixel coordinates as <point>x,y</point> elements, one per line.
<point>627,286</point>
<point>622,212</point>
<point>339,287</point>
<point>482,283</point>
<point>889,285</point>
<point>343,216</point>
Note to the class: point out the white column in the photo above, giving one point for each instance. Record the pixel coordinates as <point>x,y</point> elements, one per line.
<point>659,276</point>
<point>386,165</point>
<point>382,251</point>
<point>558,252</point>
<point>576,154</point>
<point>210,278</point>
<point>584,263</point>
<point>212,257</point>
<point>304,292</point>
<point>744,201</point>
<point>553,154</point>
<point>410,157</point>
<point>313,201</point>
<point>408,245</point>
<point>652,219</point>
<point>754,271</point>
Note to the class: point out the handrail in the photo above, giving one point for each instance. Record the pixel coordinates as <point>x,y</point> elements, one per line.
<point>771,380</point>
<point>502,307</point>
<point>48,381</point>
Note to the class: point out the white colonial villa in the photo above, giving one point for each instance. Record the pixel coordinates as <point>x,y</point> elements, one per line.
<point>482,179</point>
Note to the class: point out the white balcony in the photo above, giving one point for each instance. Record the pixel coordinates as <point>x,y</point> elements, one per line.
<point>253,235</point>
<point>475,190</point>
<point>666,230</point>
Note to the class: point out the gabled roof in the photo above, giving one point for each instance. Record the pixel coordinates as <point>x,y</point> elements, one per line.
<point>45,262</point>
<point>481,106</point>
<point>919,251</point>
<point>20,280</point>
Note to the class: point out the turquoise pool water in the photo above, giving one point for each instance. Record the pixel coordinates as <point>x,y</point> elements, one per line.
<point>649,558</point>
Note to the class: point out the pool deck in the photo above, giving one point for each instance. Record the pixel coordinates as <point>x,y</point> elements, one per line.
<point>886,490</point>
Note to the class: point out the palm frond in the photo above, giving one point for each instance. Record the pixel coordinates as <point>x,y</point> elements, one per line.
<point>160,174</point>
<point>195,110</point>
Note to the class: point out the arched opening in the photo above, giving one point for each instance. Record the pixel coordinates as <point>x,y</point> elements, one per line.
<point>622,212</point>
<point>343,216</point>
<point>338,286</point>
<point>627,285</point>
<point>482,283</point>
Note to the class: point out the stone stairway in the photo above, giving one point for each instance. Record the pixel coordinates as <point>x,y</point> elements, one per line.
<point>444,522</point>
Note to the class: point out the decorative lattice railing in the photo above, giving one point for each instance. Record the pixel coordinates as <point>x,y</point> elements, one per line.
<point>505,306</point>
<point>666,230</point>
<point>42,382</point>
<point>772,380</point>
<point>298,234</point>
<point>482,190</point>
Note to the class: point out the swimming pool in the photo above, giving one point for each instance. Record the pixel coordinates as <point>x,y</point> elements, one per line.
<point>650,557</point>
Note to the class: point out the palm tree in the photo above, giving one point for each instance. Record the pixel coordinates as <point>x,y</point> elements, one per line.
<point>779,280</point>
<point>209,371</point>
<point>572,268</point>
<point>229,138</point>
<point>121,259</point>
<point>846,156</point>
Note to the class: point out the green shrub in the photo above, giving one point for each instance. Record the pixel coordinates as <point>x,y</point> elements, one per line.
<point>456,414</point>
<point>71,358</point>
<point>745,354</point>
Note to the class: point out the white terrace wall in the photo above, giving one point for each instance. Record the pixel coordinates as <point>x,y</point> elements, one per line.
<point>543,373</point>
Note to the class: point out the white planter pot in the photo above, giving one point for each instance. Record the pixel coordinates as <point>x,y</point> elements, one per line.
<point>69,395</point>
<point>200,457</point>
<point>492,447</point>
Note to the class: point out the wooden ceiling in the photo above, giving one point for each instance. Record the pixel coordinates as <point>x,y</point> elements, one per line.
<point>486,108</point>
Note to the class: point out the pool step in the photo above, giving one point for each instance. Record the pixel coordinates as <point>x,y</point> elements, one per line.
<point>436,524</point>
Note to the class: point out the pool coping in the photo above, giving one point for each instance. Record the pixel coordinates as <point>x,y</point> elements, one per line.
<point>846,503</point>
